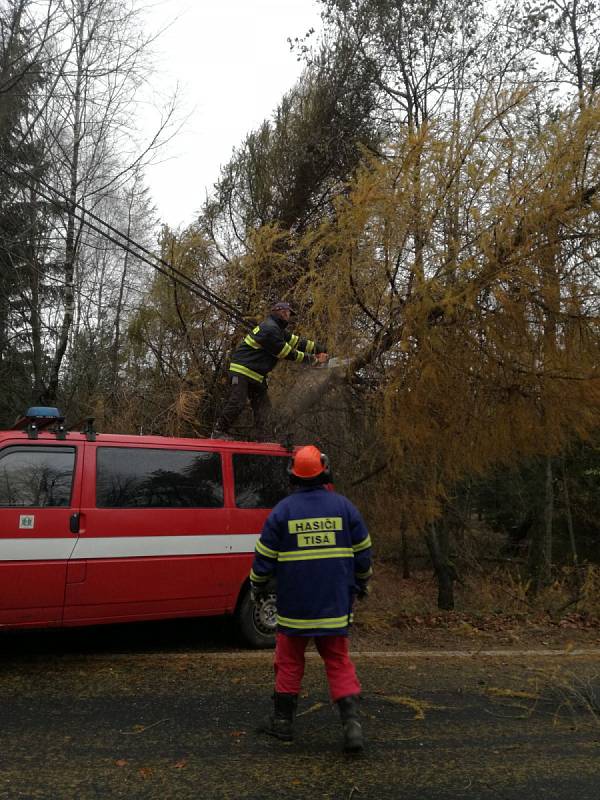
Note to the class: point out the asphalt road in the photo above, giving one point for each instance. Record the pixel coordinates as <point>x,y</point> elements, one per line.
<point>169,711</point>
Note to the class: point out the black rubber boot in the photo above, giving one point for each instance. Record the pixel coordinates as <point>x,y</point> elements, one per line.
<point>281,723</point>
<point>353,736</point>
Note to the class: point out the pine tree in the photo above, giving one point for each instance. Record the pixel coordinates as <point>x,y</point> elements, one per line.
<point>22,216</point>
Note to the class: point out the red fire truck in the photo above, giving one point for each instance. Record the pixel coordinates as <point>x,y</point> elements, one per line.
<point>98,528</point>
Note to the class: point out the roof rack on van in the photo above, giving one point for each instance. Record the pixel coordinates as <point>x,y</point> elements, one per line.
<point>89,430</point>
<point>288,442</point>
<point>39,418</point>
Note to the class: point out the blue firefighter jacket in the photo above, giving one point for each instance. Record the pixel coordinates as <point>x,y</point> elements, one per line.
<point>317,546</point>
<point>269,342</point>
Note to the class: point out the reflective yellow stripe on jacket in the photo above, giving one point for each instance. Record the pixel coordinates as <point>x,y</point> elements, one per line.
<point>308,624</point>
<point>251,341</point>
<point>362,545</point>
<point>265,551</point>
<point>308,555</point>
<point>249,373</point>
<point>285,350</point>
<point>258,578</point>
<point>363,576</point>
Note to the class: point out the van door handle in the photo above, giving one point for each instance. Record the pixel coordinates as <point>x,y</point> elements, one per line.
<point>74,523</point>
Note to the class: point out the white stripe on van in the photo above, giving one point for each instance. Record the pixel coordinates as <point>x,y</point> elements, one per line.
<point>128,546</point>
<point>36,549</point>
<point>124,547</point>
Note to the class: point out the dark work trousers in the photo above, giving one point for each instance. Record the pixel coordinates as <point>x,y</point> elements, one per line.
<point>242,390</point>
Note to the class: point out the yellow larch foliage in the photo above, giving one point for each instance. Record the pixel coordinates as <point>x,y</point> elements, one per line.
<point>459,274</point>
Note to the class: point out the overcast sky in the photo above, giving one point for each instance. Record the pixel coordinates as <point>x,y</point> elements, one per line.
<point>233,63</point>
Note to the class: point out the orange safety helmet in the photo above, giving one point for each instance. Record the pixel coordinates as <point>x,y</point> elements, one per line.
<point>308,463</point>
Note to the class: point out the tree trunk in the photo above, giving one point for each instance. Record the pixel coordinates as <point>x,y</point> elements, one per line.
<point>444,571</point>
<point>39,389</point>
<point>540,554</point>
<point>571,530</point>
<point>548,520</point>
<point>404,552</point>
<point>115,351</point>
<point>71,244</point>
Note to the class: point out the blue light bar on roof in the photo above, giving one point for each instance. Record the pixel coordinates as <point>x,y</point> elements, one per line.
<point>43,412</point>
<point>38,418</point>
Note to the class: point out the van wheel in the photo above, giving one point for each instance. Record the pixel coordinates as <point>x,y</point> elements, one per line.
<point>258,622</point>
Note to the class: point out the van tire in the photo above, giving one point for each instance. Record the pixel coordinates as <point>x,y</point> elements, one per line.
<point>257,624</point>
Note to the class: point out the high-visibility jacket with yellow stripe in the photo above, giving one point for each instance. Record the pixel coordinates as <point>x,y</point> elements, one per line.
<point>266,344</point>
<point>316,545</point>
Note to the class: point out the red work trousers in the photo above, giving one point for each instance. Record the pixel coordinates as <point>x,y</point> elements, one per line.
<point>289,664</point>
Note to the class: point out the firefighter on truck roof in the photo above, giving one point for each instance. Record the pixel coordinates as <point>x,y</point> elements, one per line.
<point>254,358</point>
<point>316,545</point>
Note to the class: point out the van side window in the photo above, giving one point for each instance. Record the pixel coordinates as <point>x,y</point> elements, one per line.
<point>139,477</point>
<point>260,481</point>
<point>36,477</point>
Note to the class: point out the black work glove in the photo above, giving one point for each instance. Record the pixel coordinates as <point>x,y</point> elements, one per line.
<point>260,591</point>
<point>362,591</point>
<point>257,593</point>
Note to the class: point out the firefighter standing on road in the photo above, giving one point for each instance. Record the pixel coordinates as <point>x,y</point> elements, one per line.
<point>316,545</point>
<point>255,357</point>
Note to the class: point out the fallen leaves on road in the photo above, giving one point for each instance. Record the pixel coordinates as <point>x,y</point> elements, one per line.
<point>418,706</point>
<point>498,692</point>
<point>137,729</point>
<point>314,707</point>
